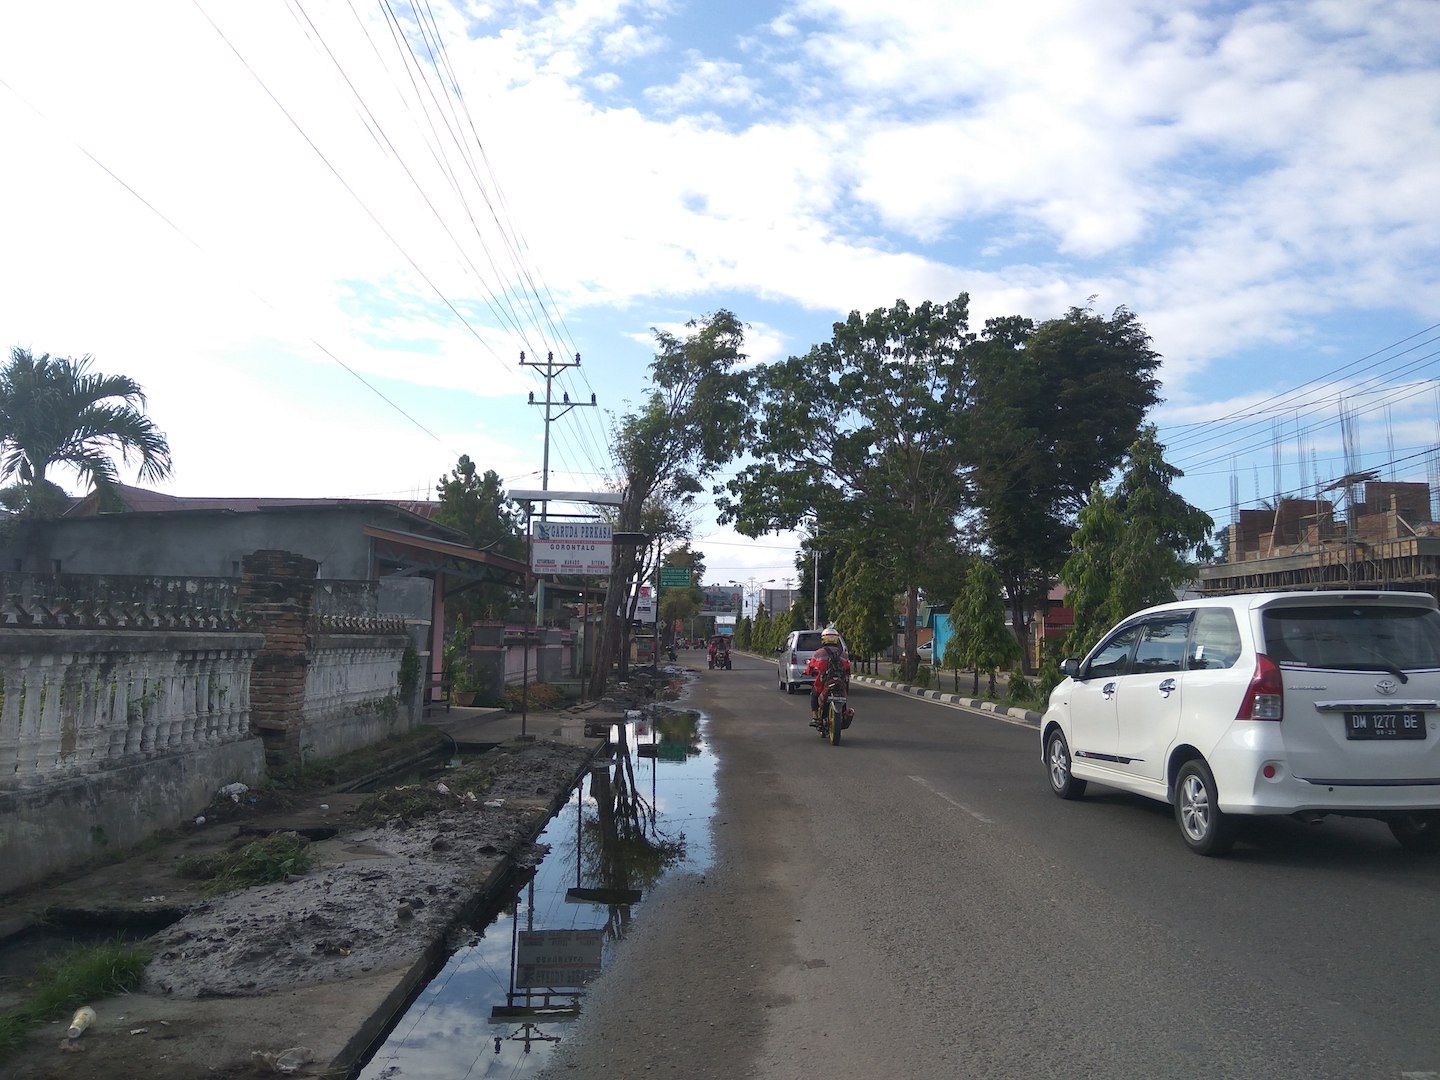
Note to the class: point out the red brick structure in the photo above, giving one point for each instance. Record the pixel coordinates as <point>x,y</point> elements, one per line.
<point>277,589</point>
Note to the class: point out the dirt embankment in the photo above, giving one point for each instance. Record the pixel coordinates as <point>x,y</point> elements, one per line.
<point>317,961</point>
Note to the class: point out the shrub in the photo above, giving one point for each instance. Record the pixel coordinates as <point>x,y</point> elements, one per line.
<point>542,696</point>
<point>271,858</point>
<point>1020,688</point>
<point>1048,678</point>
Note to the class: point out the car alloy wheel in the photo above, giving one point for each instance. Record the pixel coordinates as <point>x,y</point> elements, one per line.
<point>1062,780</point>
<point>1205,830</point>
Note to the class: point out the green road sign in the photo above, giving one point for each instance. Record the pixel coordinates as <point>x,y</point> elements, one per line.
<point>674,577</point>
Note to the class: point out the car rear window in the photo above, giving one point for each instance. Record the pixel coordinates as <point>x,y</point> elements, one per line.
<point>806,642</point>
<point>1362,637</point>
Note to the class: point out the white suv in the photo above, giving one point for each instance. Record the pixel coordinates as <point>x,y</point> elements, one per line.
<point>797,650</point>
<point>1303,703</point>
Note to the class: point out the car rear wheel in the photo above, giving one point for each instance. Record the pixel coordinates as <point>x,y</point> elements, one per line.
<point>1057,761</point>
<point>1205,830</point>
<point>1417,832</point>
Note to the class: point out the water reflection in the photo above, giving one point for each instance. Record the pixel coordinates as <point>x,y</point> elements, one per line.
<point>511,992</point>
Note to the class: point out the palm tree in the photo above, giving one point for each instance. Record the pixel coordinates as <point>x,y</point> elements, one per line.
<point>56,411</point>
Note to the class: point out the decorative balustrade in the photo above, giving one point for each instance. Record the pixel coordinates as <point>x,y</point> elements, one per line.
<point>120,602</point>
<point>78,702</point>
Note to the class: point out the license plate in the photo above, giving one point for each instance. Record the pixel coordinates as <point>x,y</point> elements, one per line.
<point>1385,725</point>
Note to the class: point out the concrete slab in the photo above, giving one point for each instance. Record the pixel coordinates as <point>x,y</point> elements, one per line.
<point>475,729</point>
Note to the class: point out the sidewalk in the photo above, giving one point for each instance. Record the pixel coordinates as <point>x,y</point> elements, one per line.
<point>475,730</point>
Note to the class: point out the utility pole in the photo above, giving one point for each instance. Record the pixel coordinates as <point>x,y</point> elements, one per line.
<point>550,368</point>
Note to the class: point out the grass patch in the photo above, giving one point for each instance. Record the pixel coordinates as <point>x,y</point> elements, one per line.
<point>260,862</point>
<point>80,976</point>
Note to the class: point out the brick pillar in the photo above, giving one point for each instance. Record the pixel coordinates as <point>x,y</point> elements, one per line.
<point>277,590</point>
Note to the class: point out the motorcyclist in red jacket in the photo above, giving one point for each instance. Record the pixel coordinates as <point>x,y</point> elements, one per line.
<point>824,664</point>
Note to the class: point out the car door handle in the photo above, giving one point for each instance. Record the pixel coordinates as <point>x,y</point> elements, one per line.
<point>1166,687</point>
<point>1108,689</point>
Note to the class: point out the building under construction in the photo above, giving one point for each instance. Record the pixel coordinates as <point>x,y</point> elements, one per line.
<point>1367,534</point>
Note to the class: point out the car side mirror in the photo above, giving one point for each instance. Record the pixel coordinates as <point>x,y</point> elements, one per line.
<point>1071,667</point>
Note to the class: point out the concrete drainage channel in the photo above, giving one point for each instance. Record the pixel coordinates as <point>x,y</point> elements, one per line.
<point>500,1002</point>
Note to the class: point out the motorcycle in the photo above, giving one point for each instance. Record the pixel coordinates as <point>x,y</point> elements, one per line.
<point>670,652</point>
<point>724,660</point>
<point>835,714</point>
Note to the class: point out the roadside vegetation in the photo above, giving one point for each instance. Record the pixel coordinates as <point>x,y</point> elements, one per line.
<point>259,862</point>
<point>79,976</point>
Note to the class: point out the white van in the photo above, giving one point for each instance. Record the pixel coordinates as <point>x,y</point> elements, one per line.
<point>795,653</point>
<point>1302,703</point>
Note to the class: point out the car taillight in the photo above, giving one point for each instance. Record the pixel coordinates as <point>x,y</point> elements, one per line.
<point>1265,696</point>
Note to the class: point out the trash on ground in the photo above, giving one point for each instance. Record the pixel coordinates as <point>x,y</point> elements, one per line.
<point>139,1031</point>
<point>234,790</point>
<point>83,1018</point>
<point>284,1061</point>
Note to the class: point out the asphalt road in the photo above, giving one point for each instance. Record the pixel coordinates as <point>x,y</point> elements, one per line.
<point>915,903</point>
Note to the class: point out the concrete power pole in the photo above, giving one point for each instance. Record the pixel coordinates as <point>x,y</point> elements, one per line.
<point>550,368</point>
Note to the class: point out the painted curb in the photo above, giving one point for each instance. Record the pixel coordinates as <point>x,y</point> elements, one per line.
<point>954,701</point>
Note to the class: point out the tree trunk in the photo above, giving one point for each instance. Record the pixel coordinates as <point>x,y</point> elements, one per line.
<point>912,616</point>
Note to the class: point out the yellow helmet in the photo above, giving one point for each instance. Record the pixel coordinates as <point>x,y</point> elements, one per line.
<point>829,636</point>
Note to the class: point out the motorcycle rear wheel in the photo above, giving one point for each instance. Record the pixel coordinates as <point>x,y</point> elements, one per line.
<point>834,724</point>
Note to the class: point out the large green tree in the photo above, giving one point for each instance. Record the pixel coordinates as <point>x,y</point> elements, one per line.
<point>694,420</point>
<point>56,411</point>
<point>866,435</point>
<point>1056,406</point>
<point>1133,547</point>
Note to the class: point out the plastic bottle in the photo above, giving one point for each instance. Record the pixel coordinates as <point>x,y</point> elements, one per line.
<point>83,1018</point>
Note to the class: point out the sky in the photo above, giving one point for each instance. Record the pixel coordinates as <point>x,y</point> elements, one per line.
<point>321,234</point>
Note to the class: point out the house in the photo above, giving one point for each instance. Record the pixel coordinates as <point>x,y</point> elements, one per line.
<point>413,561</point>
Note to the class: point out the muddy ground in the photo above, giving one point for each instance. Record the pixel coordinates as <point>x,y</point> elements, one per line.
<point>310,961</point>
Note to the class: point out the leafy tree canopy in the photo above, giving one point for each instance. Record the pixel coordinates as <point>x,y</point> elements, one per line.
<point>57,411</point>
<point>476,505</point>
<point>1056,406</point>
<point>868,433</point>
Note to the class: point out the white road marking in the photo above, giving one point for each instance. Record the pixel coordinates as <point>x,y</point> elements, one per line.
<point>958,805</point>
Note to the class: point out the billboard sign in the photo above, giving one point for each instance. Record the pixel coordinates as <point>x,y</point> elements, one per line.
<point>721,600</point>
<point>645,610</point>
<point>570,547</point>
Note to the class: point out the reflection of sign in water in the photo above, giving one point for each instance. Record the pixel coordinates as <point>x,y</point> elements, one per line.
<point>566,547</point>
<point>557,957</point>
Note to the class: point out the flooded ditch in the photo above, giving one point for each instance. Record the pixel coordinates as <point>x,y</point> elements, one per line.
<point>513,988</point>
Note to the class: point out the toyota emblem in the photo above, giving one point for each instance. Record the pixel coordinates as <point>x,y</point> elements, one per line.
<point>1386,686</point>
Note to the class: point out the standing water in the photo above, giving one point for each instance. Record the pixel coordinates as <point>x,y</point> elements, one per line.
<point>504,999</point>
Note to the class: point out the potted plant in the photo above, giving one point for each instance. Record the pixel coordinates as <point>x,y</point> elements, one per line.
<point>466,685</point>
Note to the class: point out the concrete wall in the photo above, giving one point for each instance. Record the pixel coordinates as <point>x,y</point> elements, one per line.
<point>124,715</point>
<point>109,735</point>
